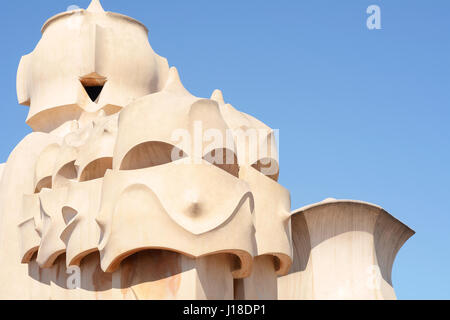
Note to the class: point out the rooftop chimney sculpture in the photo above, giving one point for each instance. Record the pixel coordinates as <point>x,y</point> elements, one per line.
<point>130,187</point>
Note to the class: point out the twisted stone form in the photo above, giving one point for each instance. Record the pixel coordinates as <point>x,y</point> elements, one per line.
<point>130,187</point>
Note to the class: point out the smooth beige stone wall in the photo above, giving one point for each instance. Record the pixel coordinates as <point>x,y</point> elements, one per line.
<point>343,250</point>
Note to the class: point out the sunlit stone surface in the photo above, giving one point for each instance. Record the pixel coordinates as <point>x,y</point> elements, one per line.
<point>130,187</point>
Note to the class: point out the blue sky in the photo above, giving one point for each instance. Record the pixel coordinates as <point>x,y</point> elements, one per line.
<point>362,114</point>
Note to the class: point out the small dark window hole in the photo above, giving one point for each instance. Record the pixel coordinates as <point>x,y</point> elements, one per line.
<point>93,92</point>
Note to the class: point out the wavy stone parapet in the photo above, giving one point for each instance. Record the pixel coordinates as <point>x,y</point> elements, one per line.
<point>113,186</point>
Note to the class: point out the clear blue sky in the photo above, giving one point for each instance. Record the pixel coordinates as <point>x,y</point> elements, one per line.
<point>362,114</point>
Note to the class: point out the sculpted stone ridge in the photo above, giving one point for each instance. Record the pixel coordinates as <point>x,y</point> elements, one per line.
<point>154,193</point>
<point>107,163</point>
